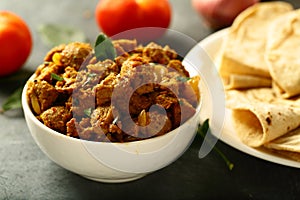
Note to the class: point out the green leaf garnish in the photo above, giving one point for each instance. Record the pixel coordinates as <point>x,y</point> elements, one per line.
<point>56,77</point>
<point>13,101</point>
<point>202,131</point>
<point>56,34</point>
<point>182,78</point>
<point>104,48</point>
<point>88,112</point>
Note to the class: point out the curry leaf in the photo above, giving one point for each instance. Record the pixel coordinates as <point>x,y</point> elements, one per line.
<point>202,131</point>
<point>104,48</point>
<point>56,77</point>
<point>88,112</point>
<point>56,34</point>
<point>182,79</point>
<point>13,101</point>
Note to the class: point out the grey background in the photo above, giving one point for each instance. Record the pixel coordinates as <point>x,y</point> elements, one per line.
<point>26,173</point>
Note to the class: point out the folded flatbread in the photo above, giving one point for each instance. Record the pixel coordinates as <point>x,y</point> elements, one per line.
<point>287,145</point>
<point>244,46</point>
<point>259,117</point>
<point>240,81</point>
<point>260,67</point>
<point>283,53</point>
<point>287,142</point>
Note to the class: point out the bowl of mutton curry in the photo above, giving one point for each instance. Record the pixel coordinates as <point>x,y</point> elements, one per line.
<point>112,119</point>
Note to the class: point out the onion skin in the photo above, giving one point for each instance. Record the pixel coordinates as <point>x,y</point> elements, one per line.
<point>220,13</point>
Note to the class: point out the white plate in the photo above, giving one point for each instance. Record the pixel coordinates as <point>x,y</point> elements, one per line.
<point>212,45</point>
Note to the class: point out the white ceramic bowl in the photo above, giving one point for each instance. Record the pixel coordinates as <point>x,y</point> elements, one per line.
<point>110,162</point>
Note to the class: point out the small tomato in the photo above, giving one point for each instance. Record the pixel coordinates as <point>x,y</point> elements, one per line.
<point>15,42</point>
<point>116,16</point>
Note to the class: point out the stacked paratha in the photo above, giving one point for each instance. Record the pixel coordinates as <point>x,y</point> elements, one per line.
<point>260,66</point>
<point>283,53</point>
<point>243,63</point>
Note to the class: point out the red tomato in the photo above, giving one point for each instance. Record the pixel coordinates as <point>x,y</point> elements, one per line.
<point>15,42</point>
<point>115,16</point>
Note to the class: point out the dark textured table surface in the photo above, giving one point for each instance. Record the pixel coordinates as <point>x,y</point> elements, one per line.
<point>26,173</point>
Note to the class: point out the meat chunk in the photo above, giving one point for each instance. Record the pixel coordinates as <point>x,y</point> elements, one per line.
<point>73,55</point>
<point>158,54</point>
<point>165,99</point>
<point>69,78</point>
<point>138,103</point>
<point>153,124</point>
<point>57,49</point>
<point>187,110</point>
<point>41,95</point>
<point>105,89</point>
<point>188,93</point>
<point>130,65</point>
<point>82,102</point>
<point>139,75</point>
<point>170,83</point>
<point>45,70</point>
<point>171,103</point>
<point>181,112</point>
<point>177,65</point>
<point>71,129</point>
<point>82,129</point>
<point>101,119</point>
<point>128,127</point>
<point>124,46</point>
<point>56,118</point>
<point>103,68</point>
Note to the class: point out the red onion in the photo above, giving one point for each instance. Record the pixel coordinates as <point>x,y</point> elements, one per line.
<point>220,13</point>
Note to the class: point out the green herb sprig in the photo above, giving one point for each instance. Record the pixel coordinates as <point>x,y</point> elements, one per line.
<point>56,77</point>
<point>104,48</point>
<point>182,78</point>
<point>56,34</point>
<point>88,112</point>
<point>202,131</point>
<point>13,101</point>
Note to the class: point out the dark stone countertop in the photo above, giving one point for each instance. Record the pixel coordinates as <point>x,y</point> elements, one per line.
<point>26,173</point>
